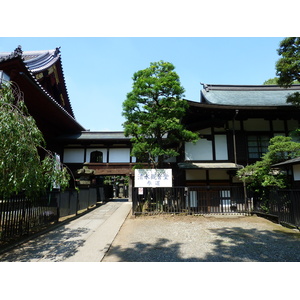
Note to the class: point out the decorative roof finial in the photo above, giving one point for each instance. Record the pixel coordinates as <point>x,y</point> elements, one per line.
<point>205,86</point>
<point>18,51</point>
<point>57,51</point>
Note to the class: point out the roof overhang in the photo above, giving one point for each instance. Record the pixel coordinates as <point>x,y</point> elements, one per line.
<point>288,162</point>
<point>95,137</point>
<point>207,166</point>
<point>240,107</point>
<point>51,118</point>
<point>247,95</point>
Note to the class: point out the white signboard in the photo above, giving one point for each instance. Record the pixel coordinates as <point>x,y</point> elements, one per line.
<point>153,178</point>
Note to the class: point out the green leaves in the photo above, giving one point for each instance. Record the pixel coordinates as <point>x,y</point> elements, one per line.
<point>21,168</point>
<point>153,111</point>
<point>260,173</point>
<point>288,66</point>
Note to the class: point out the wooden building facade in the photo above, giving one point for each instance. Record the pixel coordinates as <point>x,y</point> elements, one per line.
<point>39,75</point>
<point>234,122</point>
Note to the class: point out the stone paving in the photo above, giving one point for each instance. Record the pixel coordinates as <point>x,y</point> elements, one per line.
<point>85,239</point>
<point>110,233</point>
<point>204,239</point>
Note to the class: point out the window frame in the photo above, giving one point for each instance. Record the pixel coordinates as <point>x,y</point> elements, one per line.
<point>257,145</point>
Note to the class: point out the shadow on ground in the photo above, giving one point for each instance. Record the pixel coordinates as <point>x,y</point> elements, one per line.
<point>55,246</point>
<point>234,244</point>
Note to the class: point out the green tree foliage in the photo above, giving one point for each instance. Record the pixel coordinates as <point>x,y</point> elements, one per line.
<point>271,81</point>
<point>153,111</point>
<point>288,66</point>
<point>274,81</point>
<point>21,168</point>
<point>260,174</point>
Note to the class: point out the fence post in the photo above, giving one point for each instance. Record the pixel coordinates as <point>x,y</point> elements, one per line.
<point>187,198</point>
<point>130,188</point>
<point>293,208</point>
<point>77,202</point>
<point>245,197</point>
<point>58,201</point>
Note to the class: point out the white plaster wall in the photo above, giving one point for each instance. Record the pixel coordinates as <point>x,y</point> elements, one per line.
<point>202,150</point>
<point>221,147</point>
<point>119,155</point>
<point>296,171</point>
<point>74,155</point>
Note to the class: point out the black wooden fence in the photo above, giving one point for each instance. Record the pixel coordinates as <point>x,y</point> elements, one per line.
<point>21,215</point>
<point>282,204</point>
<point>191,200</point>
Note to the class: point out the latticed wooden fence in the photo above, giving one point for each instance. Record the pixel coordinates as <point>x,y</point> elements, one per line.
<point>20,215</point>
<point>191,200</point>
<point>283,204</point>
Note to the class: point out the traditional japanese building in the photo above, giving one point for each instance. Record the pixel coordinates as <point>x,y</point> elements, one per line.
<point>39,76</point>
<point>107,153</point>
<point>235,124</point>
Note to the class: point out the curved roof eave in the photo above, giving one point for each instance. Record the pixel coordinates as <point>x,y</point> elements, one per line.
<point>38,61</point>
<point>242,107</point>
<point>29,75</point>
<point>253,96</point>
<point>35,82</point>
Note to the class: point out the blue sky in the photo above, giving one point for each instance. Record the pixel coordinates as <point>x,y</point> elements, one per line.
<point>98,70</point>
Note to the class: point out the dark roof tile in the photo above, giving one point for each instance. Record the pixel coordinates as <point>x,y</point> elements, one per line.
<point>246,95</point>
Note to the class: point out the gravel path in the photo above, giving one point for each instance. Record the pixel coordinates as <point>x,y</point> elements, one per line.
<point>204,239</point>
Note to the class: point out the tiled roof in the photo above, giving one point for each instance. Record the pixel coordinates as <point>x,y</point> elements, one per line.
<point>36,61</point>
<point>226,166</point>
<point>246,95</point>
<point>98,135</point>
<point>288,162</point>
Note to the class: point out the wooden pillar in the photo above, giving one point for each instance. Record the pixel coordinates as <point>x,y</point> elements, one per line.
<point>130,188</point>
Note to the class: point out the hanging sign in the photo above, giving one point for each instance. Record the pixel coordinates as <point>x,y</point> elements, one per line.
<point>153,178</point>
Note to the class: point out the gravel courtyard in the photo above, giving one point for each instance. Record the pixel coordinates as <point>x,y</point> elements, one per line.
<point>166,238</point>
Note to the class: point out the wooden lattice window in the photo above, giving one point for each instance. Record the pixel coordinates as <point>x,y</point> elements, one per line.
<point>96,157</point>
<point>257,145</point>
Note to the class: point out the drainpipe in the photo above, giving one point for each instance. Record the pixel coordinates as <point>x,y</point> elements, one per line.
<point>235,157</point>
<point>233,131</point>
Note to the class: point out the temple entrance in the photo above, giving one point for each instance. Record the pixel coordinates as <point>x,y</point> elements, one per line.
<point>112,180</point>
<point>118,185</point>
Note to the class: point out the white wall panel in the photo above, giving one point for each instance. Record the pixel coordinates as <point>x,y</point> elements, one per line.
<point>202,150</point>
<point>119,155</point>
<point>221,147</point>
<point>73,156</point>
<point>296,170</point>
